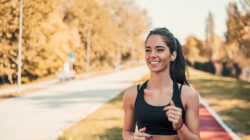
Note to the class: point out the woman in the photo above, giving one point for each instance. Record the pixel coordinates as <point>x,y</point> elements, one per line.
<point>165,107</point>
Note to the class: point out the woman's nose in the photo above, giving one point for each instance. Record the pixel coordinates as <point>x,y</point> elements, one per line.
<point>153,54</point>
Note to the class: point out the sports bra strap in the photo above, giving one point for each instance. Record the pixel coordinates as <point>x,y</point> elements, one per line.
<point>181,88</point>
<point>138,86</point>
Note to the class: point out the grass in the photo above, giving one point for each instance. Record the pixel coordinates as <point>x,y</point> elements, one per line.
<point>229,97</point>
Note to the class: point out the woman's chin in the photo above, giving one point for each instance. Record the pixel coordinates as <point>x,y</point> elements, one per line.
<point>155,70</point>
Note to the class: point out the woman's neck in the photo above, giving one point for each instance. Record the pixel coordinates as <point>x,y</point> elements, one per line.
<point>160,80</point>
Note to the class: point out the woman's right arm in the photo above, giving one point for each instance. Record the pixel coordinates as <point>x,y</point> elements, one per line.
<point>129,117</point>
<point>128,132</point>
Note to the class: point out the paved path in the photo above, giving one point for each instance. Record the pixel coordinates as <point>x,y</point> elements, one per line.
<point>44,114</point>
<point>210,128</point>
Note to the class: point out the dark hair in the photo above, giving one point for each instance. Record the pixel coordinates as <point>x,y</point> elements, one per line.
<point>178,66</point>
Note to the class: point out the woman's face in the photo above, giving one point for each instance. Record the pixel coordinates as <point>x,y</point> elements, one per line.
<point>157,54</point>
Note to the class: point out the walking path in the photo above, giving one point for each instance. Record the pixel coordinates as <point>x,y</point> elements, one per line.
<point>44,114</point>
<point>209,127</point>
<point>212,127</point>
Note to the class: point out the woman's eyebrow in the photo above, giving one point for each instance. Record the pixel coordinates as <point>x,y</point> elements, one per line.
<point>156,47</point>
<point>160,47</point>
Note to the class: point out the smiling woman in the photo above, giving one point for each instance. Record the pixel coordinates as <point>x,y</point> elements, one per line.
<point>165,106</point>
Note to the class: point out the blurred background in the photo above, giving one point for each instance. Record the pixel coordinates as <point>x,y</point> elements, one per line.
<point>53,29</point>
<point>85,36</point>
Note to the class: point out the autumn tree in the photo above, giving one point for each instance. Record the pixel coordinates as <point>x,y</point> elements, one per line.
<point>34,38</point>
<point>195,50</point>
<point>117,29</point>
<point>52,29</point>
<point>238,35</point>
<point>132,23</point>
<point>85,13</point>
<point>210,34</point>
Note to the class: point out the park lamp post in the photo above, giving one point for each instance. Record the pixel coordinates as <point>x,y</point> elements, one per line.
<point>88,49</point>
<point>20,49</point>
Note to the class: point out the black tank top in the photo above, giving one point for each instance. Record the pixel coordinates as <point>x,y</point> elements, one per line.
<point>154,117</point>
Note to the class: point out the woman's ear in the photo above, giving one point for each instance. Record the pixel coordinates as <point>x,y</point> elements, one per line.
<point>173,56</point>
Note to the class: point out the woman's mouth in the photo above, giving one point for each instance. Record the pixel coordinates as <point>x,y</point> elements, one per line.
<point>154,62</point>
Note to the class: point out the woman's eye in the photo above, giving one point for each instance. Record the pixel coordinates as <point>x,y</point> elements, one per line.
<point>147,50</point>
<point>160,50</point>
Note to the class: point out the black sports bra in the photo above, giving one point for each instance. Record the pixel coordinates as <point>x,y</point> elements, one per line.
<point>154,117</point>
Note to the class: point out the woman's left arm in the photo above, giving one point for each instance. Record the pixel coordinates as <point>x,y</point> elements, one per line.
<point>191,128</point>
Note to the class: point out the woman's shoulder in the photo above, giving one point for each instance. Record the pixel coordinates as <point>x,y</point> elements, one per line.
<point>189,94</point>
<point>130,94</point>
<point>189,90</point>
<point>131,91</point>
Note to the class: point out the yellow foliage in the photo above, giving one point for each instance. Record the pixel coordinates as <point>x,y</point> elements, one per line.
<point>52,29</point>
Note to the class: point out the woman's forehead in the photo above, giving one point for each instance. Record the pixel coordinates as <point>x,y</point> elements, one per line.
<point>155,40</point>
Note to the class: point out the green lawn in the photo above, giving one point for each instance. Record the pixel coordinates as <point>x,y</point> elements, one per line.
<point>227,96</point>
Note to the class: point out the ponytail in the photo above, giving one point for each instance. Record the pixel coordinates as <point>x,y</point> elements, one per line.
<point>178,67</point>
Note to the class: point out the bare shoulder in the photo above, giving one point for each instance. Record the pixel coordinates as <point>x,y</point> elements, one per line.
<point>189,91</point>
<point>129,96</point>
<point>189,96</point>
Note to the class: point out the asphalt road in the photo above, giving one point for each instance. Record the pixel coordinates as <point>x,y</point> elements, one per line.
<point>46,113</point>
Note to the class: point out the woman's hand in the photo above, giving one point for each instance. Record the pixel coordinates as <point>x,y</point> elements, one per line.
<point>141,135</point>
<point>174,115</point>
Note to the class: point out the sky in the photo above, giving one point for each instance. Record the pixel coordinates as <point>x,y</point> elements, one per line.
<point>186,17</point>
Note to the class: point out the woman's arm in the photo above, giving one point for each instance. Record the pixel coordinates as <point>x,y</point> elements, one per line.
<point>129,119</point>
<point>190,130</point>
<point>128,132</point>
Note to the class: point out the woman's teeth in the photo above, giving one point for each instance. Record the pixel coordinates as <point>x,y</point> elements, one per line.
<point>154,62</point>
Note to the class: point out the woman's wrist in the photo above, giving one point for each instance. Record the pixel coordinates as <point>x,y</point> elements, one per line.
<point>179,128</point>
<point>182,128</point>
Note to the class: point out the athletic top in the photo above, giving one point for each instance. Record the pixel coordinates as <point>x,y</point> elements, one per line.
<point>154,117</point>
